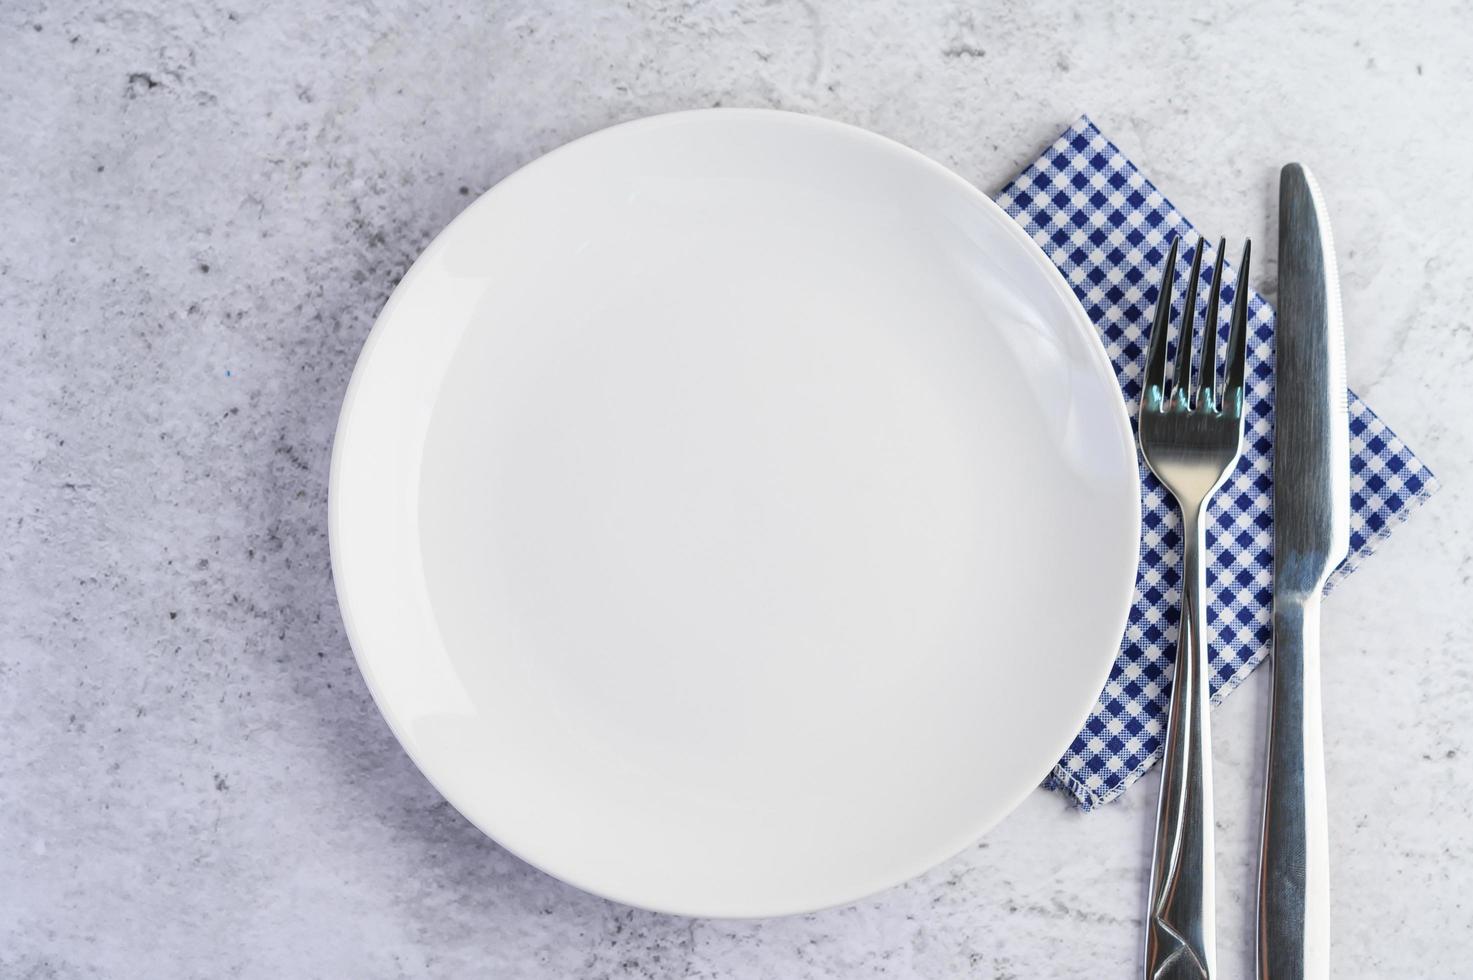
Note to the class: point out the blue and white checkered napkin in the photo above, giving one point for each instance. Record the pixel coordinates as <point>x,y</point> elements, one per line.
<point>1108,229</point>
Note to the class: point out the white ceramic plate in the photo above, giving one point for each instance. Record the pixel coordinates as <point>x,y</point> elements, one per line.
<point>734,513</point>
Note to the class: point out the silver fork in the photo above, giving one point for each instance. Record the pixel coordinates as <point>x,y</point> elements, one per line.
<point>1190,438</point>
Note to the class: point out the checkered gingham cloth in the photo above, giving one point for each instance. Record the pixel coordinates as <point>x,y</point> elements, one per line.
<point>1108,230</point>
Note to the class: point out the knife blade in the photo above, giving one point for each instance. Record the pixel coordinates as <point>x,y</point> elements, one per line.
<point>1311,538</point>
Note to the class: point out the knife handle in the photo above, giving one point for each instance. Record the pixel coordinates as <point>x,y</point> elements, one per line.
<point>1294,865</point>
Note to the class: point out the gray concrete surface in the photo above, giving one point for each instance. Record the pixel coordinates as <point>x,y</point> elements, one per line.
<point>203,204</point>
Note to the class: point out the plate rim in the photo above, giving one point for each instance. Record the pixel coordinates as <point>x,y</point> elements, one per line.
<point>358,641</point>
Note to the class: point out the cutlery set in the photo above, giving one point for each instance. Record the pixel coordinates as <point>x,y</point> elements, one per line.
<point>669,548</point>
<point>1190,437</point>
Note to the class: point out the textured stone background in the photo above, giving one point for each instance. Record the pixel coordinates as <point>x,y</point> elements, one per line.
<point>204,204</point>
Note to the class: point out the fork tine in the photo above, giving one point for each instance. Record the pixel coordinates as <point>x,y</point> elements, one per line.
<point>1186,338</point>
<point>1237,352</point>
<point>1155,375</point>
<point>1207,370</point>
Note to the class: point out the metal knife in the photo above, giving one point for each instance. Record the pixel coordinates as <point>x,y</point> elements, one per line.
<point>1311,538</point>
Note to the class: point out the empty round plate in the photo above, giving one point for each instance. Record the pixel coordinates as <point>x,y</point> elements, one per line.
<point>734,513</point>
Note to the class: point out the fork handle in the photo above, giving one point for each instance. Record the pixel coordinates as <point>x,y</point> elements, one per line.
<point>1180,936</point>
<point>1293,875</point>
